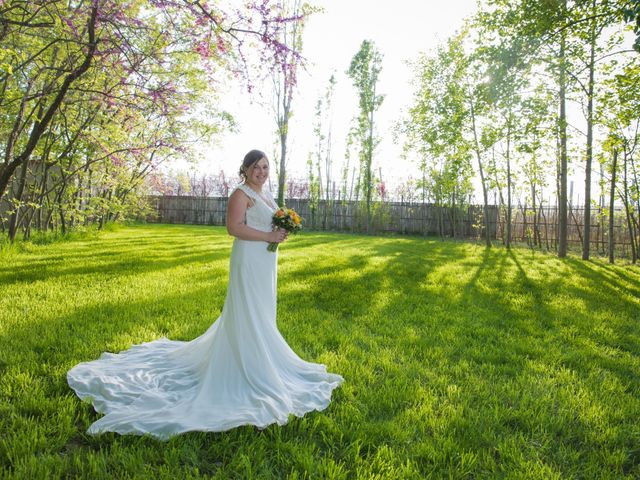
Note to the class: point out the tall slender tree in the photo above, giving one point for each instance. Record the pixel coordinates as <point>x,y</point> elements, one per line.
<point>285,80</point>
<point>364,71</point>
<point>322,129</point>
<point>562,136</point>
<point>436,129</point>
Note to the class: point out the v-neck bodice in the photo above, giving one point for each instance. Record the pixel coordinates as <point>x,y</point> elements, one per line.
<point>260,214</point>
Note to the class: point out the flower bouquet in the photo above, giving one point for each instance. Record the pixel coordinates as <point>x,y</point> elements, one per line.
<point>287,219</point>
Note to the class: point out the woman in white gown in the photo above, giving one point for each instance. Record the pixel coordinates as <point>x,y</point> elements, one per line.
<point>240,371</point>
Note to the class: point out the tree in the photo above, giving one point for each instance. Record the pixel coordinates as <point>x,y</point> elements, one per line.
<point>476,104</point>
<point>77,64</point>
<point>612,204</point>
<point>597,15</point>
<point>95,95</point>
<point>538,134</point>
<point>285,78</point>
<point>364,70</point>
<point>532,32</point>
<point>436,128</point>
<point>506,80</point>
<point>631,13</point>
<point>620,112</point>
<point>322,155</point>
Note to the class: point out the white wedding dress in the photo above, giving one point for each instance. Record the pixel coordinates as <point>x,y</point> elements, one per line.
<point>240,371</point>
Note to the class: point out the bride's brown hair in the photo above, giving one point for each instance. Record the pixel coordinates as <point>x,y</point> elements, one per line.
<point>249,159</point>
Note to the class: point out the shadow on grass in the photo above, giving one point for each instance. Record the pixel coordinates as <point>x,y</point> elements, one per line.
<point>132,258</point>
<point>90,329</point>
<point>502,314</point>
<point>608,276</point>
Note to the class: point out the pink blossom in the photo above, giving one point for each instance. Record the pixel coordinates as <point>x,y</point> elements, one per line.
<point>203,48</point>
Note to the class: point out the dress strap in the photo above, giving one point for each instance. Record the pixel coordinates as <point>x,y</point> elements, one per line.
<point>249,191</point>
<point>255,196</point>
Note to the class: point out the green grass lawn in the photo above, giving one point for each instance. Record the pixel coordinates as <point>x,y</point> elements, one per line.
<point>459,362</point>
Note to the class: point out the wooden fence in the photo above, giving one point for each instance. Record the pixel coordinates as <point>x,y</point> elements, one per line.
<point>406,218</point>
<point>538,228</point>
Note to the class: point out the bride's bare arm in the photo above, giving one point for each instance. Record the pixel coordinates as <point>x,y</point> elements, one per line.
<point>238,204</point>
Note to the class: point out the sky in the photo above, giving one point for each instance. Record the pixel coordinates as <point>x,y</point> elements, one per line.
<point>400,30</point>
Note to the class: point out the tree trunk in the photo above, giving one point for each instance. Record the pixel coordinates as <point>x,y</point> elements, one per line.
<point>635,208</point>
<point>13,220</point>
<point>76,203</point>
<point>499,223</point>
<point>586,245</point>
<point>369,164</point>
<point>546,225</point>
<point>562,127</point>
<point>453,213</point>
<point>508,235</point>
<point>536,230</point>
<point>329,204</point>
<point>625,199</point>
<point>61,210</point>
<point>88,197</point>
<point>320,195</point>
<point>48,223</point>
<point>281,172</point>
<point>485,194</point>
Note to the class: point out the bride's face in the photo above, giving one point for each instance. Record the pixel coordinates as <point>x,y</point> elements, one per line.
<point>258,173</point>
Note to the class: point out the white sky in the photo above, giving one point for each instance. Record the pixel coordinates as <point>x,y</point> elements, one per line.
<point>399,29</point>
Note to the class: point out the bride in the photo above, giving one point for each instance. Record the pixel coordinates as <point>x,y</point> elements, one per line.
<point>240,371</point>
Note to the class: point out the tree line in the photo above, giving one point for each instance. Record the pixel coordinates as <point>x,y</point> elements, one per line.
<point>523,92</point>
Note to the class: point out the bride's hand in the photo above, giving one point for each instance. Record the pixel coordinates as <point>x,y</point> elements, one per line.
<point>278,235</point>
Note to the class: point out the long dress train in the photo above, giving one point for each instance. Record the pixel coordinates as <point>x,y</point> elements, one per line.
<point>240,371</point>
